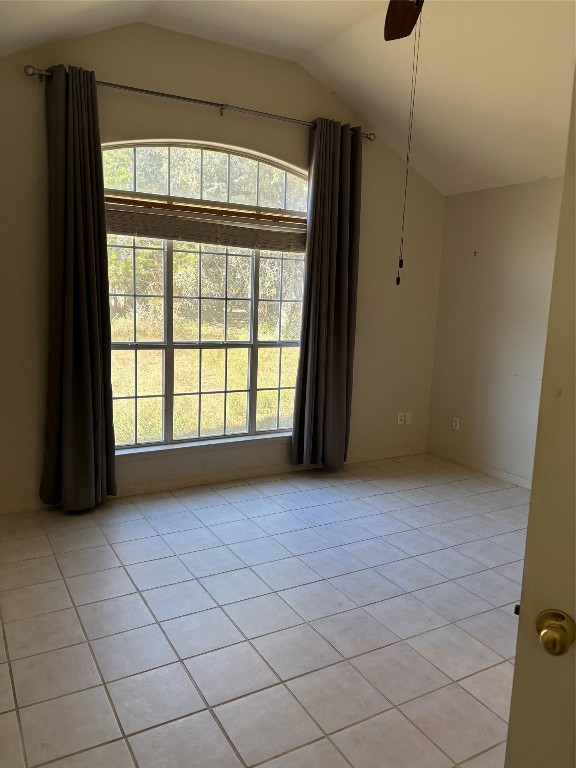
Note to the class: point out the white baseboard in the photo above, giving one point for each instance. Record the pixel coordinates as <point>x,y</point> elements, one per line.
<point>21,505</point>
<point>237,474</point>
<point>193,480</point>
<point>171,484</point>
<point>390,453</point>
<point>190,480</point>
<point>523,482</point>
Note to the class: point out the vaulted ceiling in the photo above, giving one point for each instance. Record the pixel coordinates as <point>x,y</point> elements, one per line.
<point>494,82</point>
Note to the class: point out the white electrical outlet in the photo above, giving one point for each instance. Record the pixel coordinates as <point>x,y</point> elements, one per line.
<point>401,419</point>
<point>455,422</point>
<point>409,418</point>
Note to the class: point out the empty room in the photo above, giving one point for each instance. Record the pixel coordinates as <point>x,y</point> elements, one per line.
<point>287,396</point>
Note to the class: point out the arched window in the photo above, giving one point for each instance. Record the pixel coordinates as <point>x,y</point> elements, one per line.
<point>206,270</point>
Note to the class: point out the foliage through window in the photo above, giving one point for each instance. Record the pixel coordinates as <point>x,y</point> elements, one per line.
<point>205,336</point>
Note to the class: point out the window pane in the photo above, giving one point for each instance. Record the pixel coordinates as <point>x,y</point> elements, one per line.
<point>213,319</point>
<point>186,370</point>
<point>212,415</point>
<point>150,419</point>
<point>213,248</point>
<point>237,374</point>
<point>296,193</point>
<point>120,240</point>
<point>213,277</point>
<point>268,320</point>
<point>268,367</point>
<point>124,422</point>
<point>185,422</point>
<point>243,180</point>
<point>150,371</point>
<point>120,270</point>
<point>185,320</point>
<point>149,319</point>
<point>214,175</point>
<point>238,321</point>
<point>152,170</point>
<point>185,172</point>
<point>185,273</point>
<point>267,410</point>
<point>186,245</point>
<point>290,357</point>
<point>122,318</point>
<point>239,276</point>
<point>270,278</point>
<point>118,168</point>
<point>123,373</point>
<point>286,416</point>
<point>236,413</point>
<point>292,279</point>
<point>271,186</point>
<point>291,321</point>
<point>149,271</point>
<point>212,370</point>
<point>148,242</point>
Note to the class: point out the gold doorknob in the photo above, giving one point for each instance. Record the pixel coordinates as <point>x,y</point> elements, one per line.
<point>557,631</point>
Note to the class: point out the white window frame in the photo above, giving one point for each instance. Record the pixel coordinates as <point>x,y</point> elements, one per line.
<point>169,346</point>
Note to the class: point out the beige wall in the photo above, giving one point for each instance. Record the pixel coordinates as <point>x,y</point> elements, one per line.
<point>395,326</point>
<point>491,327</point>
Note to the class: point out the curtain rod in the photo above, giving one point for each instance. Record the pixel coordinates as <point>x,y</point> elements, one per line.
<point>42,73</point>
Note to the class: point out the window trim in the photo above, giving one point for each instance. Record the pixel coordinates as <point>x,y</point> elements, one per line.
<point>296,221</point>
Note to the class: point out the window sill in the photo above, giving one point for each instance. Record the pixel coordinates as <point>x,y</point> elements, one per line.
<point>219,444</point>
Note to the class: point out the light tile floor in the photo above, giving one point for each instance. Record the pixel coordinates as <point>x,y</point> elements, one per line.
<point>360,618</point>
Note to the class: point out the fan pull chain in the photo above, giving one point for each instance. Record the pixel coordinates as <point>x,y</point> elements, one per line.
<point>415,56</point>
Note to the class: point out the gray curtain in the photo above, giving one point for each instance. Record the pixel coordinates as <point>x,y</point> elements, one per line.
<point>324,384</point>
<point>79,466</point>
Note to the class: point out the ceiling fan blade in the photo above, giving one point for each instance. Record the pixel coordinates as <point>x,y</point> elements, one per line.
<point>401,18</point>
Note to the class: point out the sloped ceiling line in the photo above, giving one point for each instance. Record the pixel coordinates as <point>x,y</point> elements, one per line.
<point>495,75</point>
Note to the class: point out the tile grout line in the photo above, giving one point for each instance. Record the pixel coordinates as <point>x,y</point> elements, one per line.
<point>303,622</point>
<point>379,512</point>
<point>323,579</point>
<point>467,760</point>
<point>345,660</point>
<point>247,567</point>
<point>280,683</point>
<point>97,666</point>
<point>89,645</point>
<point>183,666</point>
<point>13,689</point>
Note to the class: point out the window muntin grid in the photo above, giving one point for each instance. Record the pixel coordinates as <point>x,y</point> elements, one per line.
<point>204,173</point>
<point>180,307</point>
<point>172,381</point>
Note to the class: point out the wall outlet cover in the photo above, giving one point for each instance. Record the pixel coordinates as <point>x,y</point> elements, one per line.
<point>401,419</point>
<point>408,418</point>
<point>455,422</point>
